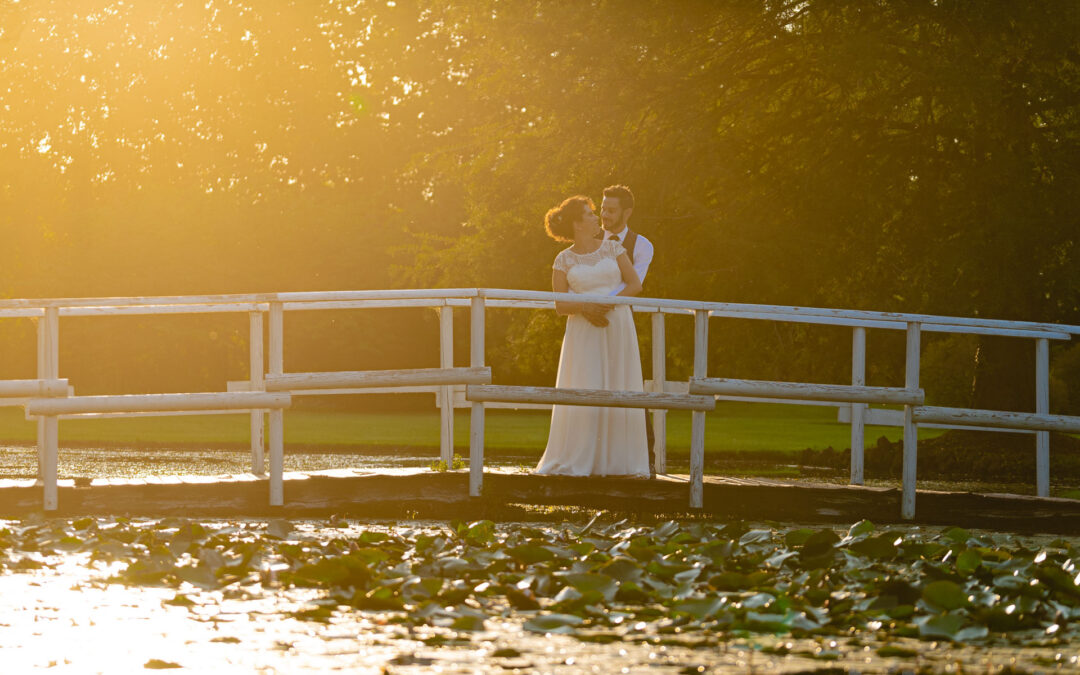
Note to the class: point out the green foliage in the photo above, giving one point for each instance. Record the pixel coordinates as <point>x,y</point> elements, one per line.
<point>456,462</point>
<point>915,157</point>
<point>947,370</point>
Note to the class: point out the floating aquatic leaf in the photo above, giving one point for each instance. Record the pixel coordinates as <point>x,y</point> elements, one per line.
<point>777,560</point>
<point>621,569</point>
<point>553,623</point>
<point>957,535</point>
<point>881,547</point>
<point>699,609</point>
<point>756,537</point>
<point>798,537</point>
<point>468,623</point>
<point>520,600</point>
<point>666,530</point>
<point>729,581</point>
<point>597,583</point>
<point>530,554</point>
<point>279,529</point>
<point>158,664</point>
<point>862,527</point>
<point>945,625</point>
<point>968,561</point>
<point>945,594</point>
<point>480,532</point>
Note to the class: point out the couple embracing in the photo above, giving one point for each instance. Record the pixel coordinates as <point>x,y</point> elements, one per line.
<point>600,348</point>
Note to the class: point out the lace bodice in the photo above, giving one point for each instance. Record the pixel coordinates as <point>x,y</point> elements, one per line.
<point>595,273</point>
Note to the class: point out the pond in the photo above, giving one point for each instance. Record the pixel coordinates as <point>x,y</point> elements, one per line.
<point>118,595</point>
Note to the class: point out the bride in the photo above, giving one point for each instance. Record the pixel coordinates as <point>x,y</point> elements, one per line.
<point>599,351</point>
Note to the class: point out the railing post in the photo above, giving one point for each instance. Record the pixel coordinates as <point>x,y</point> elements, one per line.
<point>48,367</point>
<point>858,410</point>
<point>476,422</point>
<point>277,419</point>
<point>697,426</point>
<point>50,439</point>
<point>911,381</point>
<point>258,383</point>
<point>1042,407</point>
<point>446,360</point>
<point>659,376</point>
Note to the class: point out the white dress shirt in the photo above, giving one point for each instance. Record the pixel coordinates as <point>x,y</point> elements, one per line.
<point>643,255</point>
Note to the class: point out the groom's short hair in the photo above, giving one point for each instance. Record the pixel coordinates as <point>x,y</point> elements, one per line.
<point>622,193</point>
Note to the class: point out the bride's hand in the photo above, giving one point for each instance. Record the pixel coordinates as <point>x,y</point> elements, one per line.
<point>596,314</point>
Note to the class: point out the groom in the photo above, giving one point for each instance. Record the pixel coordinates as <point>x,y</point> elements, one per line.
<point>615,213</point>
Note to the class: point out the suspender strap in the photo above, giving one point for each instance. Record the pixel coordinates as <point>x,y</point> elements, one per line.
<point>629,242</point>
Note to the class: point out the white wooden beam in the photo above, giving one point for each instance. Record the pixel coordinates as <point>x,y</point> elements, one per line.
<point>75,405</point>
<point>51,445</point>
<point>697,418</point>
<point>858,410</point>
<point>998,419</point>
<point>1042,407</point>
<point>476,422</point>
<point>911,435</point>
<point>588,397</point>
<point>33,388</point>
<point>257,382</point>
<point>800,390</point>
<point>659,374</point>
<point>446,401</point>
<point>378,378</point>
<point>276,366</point>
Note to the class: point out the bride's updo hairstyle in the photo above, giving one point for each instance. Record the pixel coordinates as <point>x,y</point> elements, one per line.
<point>559,221</point>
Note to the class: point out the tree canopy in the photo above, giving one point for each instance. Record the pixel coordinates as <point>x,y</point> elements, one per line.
<point>915,156</point>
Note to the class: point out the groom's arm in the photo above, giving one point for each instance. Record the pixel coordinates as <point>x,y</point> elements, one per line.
<point>643,255</point>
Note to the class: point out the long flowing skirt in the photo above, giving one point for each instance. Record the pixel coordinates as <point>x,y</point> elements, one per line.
<point>590,441</point>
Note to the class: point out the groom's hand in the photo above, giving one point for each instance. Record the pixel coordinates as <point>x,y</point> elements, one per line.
<point>596,314</point>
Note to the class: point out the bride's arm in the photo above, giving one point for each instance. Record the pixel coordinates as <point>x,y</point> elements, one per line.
<point>559,284</point>
<point>629,276</point>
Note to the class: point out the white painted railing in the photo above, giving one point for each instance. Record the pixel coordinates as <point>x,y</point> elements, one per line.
<point>49,398</point>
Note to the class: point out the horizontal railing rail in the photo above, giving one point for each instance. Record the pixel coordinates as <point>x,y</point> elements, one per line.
<point>378,378</point>
<point>588,397</point>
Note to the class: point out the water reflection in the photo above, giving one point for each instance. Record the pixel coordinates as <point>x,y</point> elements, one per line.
<point>21,462</point>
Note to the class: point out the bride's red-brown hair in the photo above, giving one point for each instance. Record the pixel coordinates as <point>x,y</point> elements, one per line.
<point>559,221</point>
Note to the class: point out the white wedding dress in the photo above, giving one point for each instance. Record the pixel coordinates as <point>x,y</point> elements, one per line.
<point>585,440</point>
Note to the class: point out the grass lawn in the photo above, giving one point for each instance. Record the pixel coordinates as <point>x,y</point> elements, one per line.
<point>733,427</point>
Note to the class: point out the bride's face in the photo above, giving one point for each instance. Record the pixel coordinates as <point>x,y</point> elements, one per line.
<point>589,224</point>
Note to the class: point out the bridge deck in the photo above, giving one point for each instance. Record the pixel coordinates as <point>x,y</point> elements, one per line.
<point>401,493</point>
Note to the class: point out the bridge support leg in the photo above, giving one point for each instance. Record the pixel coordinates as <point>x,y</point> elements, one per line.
<point>697,426</point>
<point>51,427</point>
<point>858,410</point>
<point>277,458</point>
<point>476,422</point>
<point>446,400</point>
<point>1042,407</point>
<point>911,440</point>
<point>258,442</point>
<point>659,376</point>
<point>277,417</point>
<point>48,368</point>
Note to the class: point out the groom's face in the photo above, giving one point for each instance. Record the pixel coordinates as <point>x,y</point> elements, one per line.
<point>612,214</point>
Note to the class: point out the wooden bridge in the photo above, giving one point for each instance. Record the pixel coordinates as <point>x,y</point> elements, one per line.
<point>269,389</point>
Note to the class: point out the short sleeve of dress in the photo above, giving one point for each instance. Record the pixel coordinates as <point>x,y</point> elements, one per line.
<point>617,249</point>
<point>561,263</point>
